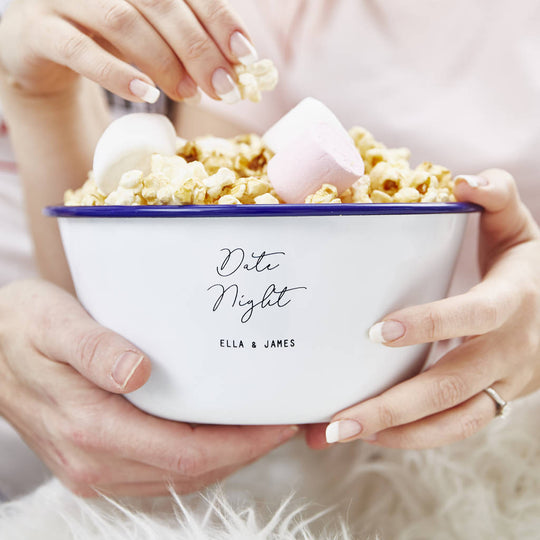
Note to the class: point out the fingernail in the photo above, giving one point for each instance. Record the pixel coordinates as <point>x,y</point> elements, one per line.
<point>386,331</point>
<point>195,99</point>
<point>243,49</point>
<point>288,433</point>
<point>144,91</point>
<point>225,87</point>
<point>473,181</point>
<point>188,90</point>
<point>342,430</point>
<point>125,366</point>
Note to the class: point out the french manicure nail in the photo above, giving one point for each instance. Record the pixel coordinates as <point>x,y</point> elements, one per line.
<point>144,91</point>
<point>386,331</point>
<point>225,87</point>
<point>472,180</point>
<point>243,49</point>
<point>342,430</point>
<point>125,366</point>
<point>194,99</point>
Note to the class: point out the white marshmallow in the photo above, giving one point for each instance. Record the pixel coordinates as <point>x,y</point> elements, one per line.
<point>306,114</point>
<point>128,143</point>
<point>322,155</point>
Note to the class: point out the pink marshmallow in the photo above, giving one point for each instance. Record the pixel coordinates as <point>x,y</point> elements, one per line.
<point>321,155</point>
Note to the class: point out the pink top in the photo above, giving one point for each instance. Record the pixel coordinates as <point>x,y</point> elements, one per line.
<point>456,82</point>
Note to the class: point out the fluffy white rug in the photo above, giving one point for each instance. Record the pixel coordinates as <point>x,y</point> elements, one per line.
<point>485,487</point>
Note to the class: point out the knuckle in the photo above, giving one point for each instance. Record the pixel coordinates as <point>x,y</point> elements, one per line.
<point>88,347</point>
<point>489,313</point>
<point>170,65</point>
<point>469,425</point>
<point>119,16</point>
<point>71,48</point>
<point>386,416</point>
<point>85,439</point>
<point>433,325</point>
<point>104,73</point>
<point>197,46</point>
<point>449,391</point>
<point>216,12</point>
<point>158,6</point>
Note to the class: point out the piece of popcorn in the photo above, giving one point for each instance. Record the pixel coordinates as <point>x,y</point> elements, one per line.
<point>266,198</point>
<point>407,195</point>
<point>217,182</point>
<point>124,197</point>
<point>388,178</point>
<point>257,187</point>
<point>192,191</point>
<point>364,140</point>
<point>131,180</point>
<point>358,192</point>
<point>173,167</point>
<point>87,195</point>
<point>399,157</point>
<point>255,78</point>
<point>430,196</point>
<point>444,176</point>
<point>380,197</point>
<point>443,195</point>
<point>423,181</point>
<point>238,191</point>
<point>228,199</point>
<point>327,193</point>
<point>152,184</point>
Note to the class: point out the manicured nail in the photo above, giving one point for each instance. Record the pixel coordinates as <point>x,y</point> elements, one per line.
<point>187,89</point>
<point>243,49</point>
<point>386,331</point>
<point>194,99</point>
<point>225,87</point>
<point>144,91</point>
<point>473,181</point>
<point>288,433</point>
<point>342,430</point>
<point>125,366</point>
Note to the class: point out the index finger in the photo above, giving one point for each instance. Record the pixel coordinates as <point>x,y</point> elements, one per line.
<point>483,309</point>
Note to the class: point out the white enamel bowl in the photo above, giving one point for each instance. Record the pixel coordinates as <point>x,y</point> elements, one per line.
<point>259,314</point>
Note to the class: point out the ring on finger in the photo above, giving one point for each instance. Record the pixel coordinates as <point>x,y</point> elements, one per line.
<point>502,407</point>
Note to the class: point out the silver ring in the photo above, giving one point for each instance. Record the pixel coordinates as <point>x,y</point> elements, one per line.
<point>502,406</point>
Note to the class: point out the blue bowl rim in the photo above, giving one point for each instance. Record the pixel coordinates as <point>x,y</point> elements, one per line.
<point>256,210</point>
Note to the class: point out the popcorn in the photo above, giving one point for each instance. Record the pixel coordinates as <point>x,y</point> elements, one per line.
<point>217,182</point>
<point>228,199</point>
<point>255,78</point>
<point>88,195</point>
<point>212,170</point>
<point>326,194</point>
<point>266,198</point>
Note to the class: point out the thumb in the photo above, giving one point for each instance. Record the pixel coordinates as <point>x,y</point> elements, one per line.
<point>506,221</point>
<point>66,333</point>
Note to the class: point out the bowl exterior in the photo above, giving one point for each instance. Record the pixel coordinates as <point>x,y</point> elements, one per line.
<point>261,320</point>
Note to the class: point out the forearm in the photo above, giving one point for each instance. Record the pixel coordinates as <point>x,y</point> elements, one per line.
<point>53,139</point>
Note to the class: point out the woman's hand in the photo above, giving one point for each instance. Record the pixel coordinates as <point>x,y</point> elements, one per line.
<point>126,46</point>
<point>61,376</point>
<point>499,319</point>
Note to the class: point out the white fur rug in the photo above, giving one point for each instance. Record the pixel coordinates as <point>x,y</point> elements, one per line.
<point>485,487</point>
